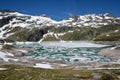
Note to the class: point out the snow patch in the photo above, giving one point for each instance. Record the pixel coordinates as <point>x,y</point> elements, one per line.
<point>56,35</point>
<point>63,65</point>
<point>14,59</point>
<point>24,51</point>
<point>43,65</point>
<point>0,47</point>
<point>116,30</point>
<point>107,35</point>
<point>3,69</point>
<point>4,55</point>
<point>19,43</point>
<point>113,48</point>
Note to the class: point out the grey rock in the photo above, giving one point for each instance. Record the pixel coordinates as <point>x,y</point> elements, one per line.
<point>96,76</point>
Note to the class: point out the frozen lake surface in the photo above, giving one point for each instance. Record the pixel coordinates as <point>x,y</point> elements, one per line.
<point>66,51</point>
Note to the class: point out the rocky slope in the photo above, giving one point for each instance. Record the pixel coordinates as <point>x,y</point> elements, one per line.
<point>15,26</point>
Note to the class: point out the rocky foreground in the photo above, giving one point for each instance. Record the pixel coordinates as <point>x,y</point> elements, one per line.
<point>15,72</point>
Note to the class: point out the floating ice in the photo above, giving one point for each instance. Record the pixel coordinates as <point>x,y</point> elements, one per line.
<point>67,51</point>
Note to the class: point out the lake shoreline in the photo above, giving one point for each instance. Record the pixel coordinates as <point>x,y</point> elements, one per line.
<point>54,64</point>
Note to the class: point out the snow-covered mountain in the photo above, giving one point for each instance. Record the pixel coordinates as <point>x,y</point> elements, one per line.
<point>11,22</point>
<point>93,20</point>
<point>22,20</point>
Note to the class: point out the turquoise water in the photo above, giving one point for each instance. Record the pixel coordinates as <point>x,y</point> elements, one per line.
<point>67,51</point>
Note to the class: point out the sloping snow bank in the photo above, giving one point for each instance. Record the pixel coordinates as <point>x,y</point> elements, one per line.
<point>3,55</point>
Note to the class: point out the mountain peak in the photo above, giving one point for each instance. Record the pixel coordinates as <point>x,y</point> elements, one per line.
<point>109,15</point>
<point>44,15</point>
<point>93,20</point>
<point>10,20</point>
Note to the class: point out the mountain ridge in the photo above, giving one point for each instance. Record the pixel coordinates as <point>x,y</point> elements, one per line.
<point>13,23</point>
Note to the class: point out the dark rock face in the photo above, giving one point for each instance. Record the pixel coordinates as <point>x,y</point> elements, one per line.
<point>37,35</point>
<point>75,17</point>
<point>65,29</point>
<point>5,21</point>
<point>34,34</point>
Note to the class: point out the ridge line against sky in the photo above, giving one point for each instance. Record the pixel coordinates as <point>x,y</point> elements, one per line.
<point>61,9</point>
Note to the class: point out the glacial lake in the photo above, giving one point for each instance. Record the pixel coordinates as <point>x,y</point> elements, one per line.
<point>66,51</point>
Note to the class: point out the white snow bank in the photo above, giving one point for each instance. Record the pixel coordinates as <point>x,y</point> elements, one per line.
<point>3,68</point>
<point>63,65</point>
<point>116,30</point>
<point>24,51</point>
<point>12,59</point>
<point>4,55</point>
<point>43,65</point>
<point>0,47</point>
<point>113,48</point>
<point>24,43</point>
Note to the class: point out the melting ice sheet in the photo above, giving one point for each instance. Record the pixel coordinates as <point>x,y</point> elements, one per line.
<point>67,51</point>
